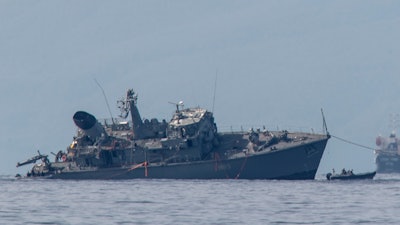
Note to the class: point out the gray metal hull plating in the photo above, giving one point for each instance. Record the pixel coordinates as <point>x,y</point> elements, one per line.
<point>387,163</point>
<point>294,163</point>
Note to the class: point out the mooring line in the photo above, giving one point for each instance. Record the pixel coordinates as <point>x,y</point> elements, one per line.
<point>353,143</point>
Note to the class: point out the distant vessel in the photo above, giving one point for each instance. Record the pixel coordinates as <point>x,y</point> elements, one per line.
<point>387,157</point>
<point>186,147</point>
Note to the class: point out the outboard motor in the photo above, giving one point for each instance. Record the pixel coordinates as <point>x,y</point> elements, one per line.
<point>88,124</point>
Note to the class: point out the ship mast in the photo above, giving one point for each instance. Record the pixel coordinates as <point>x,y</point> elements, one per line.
<point>129,105</point>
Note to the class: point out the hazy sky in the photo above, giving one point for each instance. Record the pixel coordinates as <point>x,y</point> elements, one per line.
<point>277,64</point>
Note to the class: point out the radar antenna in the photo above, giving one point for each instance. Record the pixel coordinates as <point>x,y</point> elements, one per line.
<point>124,104</point>
<point>178,105</point>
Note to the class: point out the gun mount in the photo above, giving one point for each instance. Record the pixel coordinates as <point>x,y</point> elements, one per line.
<point>34,159</point>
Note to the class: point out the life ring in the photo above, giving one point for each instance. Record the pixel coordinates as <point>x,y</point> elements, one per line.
<point>64,158</point>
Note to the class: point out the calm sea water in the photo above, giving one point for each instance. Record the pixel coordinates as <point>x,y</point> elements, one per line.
<point>200,201</point>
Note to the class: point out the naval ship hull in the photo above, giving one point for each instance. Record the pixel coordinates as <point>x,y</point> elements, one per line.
<point>387,163</point>
<point>189,146</point>
<point>293,163</point>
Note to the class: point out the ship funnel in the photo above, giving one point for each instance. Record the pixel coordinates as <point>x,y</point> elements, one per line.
<point>88,123</point>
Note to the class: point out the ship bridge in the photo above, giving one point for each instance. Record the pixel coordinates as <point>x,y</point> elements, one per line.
<point>187,117</point>
<point>190,123</point>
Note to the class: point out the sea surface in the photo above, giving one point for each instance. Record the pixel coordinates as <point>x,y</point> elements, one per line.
<point>317,201</point>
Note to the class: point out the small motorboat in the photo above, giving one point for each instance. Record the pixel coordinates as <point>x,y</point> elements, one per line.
<point>350,176</point>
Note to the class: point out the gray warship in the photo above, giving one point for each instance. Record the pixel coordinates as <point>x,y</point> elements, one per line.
<point>187,147</point>
<point>387,156</point>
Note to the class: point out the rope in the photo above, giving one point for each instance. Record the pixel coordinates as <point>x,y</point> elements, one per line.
<point>143,164</point>
<point>242,167</point>
<point>353,143</point>
<point>138,165</point>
